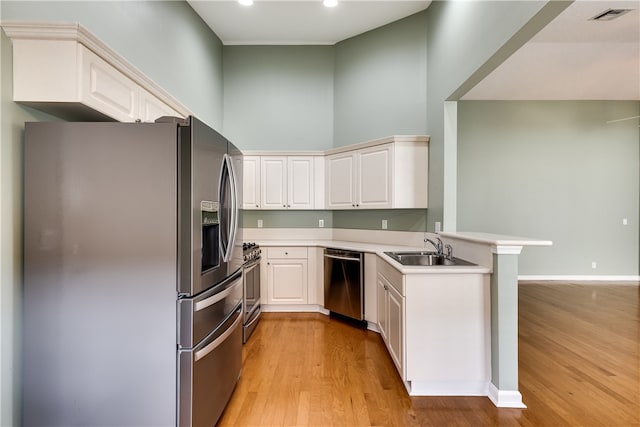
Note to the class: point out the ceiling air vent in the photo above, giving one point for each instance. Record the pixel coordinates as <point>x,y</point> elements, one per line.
<point>610,14</point>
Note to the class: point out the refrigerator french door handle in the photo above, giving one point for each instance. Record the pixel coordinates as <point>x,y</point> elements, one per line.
<point>225,175</point>
<point>234,206</point>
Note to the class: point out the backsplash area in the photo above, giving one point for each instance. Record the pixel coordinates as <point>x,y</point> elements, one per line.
<point>397,219</point>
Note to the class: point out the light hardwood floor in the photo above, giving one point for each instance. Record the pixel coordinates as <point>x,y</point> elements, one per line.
<point>579,366</point>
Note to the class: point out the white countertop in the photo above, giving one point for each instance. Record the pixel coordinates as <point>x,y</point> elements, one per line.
<point>495,239</point>
<point>380,249</point>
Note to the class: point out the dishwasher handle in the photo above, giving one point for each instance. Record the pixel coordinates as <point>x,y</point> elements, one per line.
<point>342,257</point>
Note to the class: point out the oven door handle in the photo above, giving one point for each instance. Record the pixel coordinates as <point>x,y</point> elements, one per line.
<point>255,318</point>
<point>218,341</point>
<point>216,297</point>
<point>251,266</point>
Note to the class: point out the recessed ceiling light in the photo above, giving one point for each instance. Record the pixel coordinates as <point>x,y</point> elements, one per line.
<point>245,2</point>
<point>330,3</point>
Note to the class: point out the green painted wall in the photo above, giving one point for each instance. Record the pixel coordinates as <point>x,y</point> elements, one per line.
<point>380,83</point>
<point>286,219</point>
<point>397,219</point>
<point>278,97</point>
<point>166,40</point>
<point>463,36</point>
<point>553,170</point>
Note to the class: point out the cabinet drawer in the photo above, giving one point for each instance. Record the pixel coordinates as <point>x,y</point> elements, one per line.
<point>392,275</point>
<point>287,252</point>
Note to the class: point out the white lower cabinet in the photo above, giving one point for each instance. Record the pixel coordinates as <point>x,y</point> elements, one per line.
<point>395,321</point>
<point>287,275</point>
<point>391,313</point>
<point>436,328</point>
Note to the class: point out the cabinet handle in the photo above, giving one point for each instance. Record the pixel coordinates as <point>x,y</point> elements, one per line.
<point>284,206</point>
<point>257,206</point>
<point>286,253</point>
<point>357,205</point>
<point>288,206</point>
<point>353,205</point>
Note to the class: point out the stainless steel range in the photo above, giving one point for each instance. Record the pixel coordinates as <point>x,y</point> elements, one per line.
<point>251,275</point>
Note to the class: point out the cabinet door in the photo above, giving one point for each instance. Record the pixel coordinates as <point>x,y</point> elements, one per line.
<point>381,294</point>
<point>287,281</point>
<point>273,182</point>
<point>106,90</point>
<point>251,182</point>
<point>374,174</point>
<point>340,185</point>
<point>300,182</point>
<point>151,108</point>
<point>395,338</point>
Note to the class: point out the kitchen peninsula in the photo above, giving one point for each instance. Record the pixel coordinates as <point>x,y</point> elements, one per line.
<point>471,315</point>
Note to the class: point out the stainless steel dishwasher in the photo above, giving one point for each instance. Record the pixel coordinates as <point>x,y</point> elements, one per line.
<point>343,283</point>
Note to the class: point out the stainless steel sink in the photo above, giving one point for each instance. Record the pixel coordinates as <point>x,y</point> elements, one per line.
<point>427,259</point>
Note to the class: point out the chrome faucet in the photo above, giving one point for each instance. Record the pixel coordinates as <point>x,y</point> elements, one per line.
<point>449,250</point>
<point>437,244</point>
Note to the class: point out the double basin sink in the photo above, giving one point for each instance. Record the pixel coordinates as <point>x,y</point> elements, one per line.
<point>426,259</point>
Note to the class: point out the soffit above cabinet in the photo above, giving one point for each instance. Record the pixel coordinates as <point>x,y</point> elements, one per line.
<point>64,69</point>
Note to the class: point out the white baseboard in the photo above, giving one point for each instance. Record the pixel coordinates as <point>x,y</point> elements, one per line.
<point>447,388</point>
<point>578,278</point>
<point>505,398</point>
<point>372,327</point>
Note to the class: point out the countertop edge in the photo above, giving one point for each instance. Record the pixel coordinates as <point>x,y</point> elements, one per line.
<point>495,239</point>
<point>380,250</point>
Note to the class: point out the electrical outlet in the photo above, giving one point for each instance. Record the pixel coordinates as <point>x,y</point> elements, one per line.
<point>594,265</point>
<point>321,223</point>
<point>259,223</point>
<point>624,221</point>
<point>384,224</point>
<point>438,226</point>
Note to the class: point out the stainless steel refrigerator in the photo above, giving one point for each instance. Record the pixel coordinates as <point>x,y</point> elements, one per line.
<point>132,273</point>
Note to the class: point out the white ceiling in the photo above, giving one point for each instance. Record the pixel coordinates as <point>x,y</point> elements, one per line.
<point>573,58</point>
<point>299,22</point>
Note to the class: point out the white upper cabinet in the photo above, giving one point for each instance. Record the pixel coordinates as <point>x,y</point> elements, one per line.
<point>300,189</point>
<point>283,182</point>
<point>360,179</point>
<point>374,177</point>
<point>251,182</point>
<point>341,174</point>
<point>106,90</point>
<point>273,183</point>
<point>385,174</point>
<point>65,70</point>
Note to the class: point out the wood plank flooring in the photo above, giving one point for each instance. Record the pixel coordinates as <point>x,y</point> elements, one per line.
<point>579,366</point>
